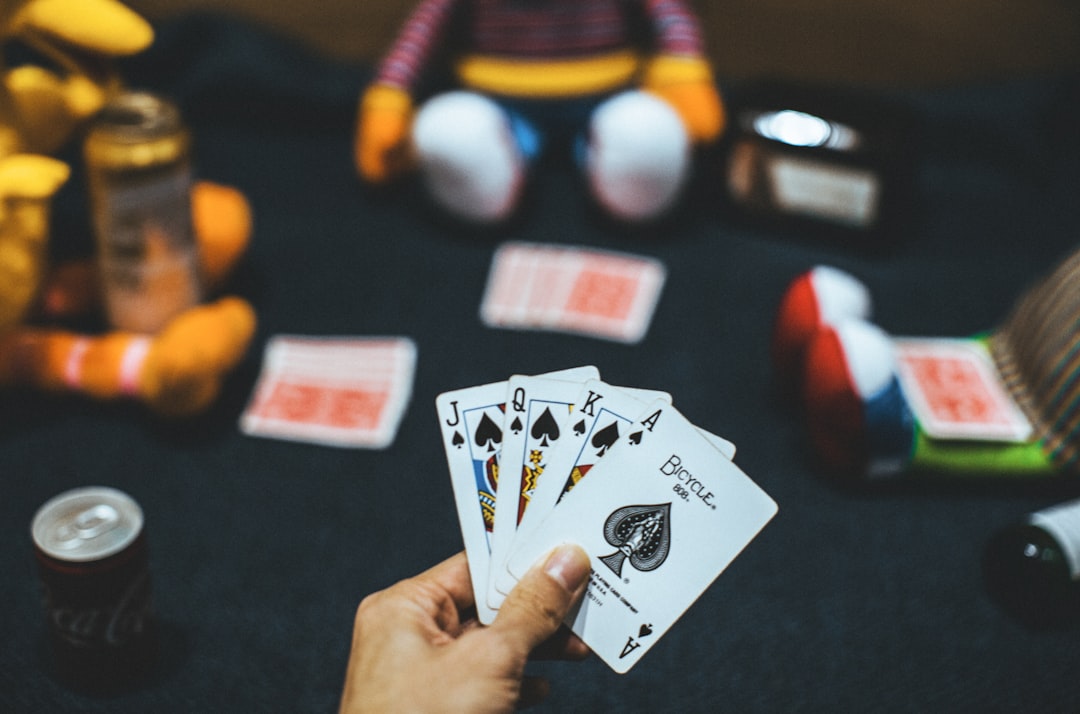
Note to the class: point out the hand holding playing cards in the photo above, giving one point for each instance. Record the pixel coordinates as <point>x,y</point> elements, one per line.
<point>662,510</point>
<point>414,650</point>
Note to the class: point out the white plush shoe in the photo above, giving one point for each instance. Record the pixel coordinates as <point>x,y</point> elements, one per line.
<point>468,157</point>
<point>638,155</point>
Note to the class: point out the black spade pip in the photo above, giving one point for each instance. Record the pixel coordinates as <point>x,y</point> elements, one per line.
<point>488,433</point>
<point>545,428</point>
<point>604,438</point>
<point>642,535</point>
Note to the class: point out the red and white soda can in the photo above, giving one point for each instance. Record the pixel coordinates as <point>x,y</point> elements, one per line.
<point>94,568</point>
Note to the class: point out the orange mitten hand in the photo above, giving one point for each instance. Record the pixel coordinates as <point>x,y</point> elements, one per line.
<point>222,220</point>
<point>687,84</point>
<point>382,133</point>
<point>187,362</point>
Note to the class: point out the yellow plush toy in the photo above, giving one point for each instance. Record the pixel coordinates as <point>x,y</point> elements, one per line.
<point>177,371</point>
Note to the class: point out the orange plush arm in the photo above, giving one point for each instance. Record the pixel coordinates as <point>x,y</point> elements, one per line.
<point>177,372</point>
<point>687,84</point>
<point>382,133</point>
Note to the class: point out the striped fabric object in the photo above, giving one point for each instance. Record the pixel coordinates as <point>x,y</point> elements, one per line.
<point>537,30</point>
<point>1037,350</point>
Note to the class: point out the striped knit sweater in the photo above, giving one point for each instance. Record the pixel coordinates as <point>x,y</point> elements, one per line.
<point>537,30</point>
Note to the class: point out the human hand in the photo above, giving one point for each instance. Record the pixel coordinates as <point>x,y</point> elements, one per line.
<point>416,649</point>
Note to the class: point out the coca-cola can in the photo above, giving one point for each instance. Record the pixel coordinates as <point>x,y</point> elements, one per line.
<point>92,560</point>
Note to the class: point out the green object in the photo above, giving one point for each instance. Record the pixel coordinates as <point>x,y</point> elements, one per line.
<point>978,458</point>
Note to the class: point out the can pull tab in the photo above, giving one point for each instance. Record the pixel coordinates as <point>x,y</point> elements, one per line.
<point>87,525</point>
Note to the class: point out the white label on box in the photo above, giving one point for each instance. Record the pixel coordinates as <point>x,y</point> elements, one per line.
<point>823,190</point>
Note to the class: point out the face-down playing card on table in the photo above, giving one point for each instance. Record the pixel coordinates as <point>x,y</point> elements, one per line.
<point>661,515</point>
<point>471,424</point>
<point>334,391</point>
<point>572,289</point>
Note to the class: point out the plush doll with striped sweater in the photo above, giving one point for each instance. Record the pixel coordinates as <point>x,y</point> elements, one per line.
<point>625,82</point>
<point>865,416</point>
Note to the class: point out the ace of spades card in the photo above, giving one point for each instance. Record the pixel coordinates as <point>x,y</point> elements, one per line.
<point>537,415</point>
<point>600,417</point>
<point>661,515</point>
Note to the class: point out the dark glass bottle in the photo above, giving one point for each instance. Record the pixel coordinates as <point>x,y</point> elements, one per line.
<point>1032,568</point>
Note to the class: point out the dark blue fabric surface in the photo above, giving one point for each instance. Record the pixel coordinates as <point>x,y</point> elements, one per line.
<point>852,600</point>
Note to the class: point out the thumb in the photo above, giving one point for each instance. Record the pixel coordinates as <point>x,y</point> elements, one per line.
<point>535,608</point>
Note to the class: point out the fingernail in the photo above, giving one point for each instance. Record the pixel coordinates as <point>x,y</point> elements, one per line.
<point>569,565</point>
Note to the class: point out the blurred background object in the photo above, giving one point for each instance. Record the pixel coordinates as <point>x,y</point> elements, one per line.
<point>894,42</point>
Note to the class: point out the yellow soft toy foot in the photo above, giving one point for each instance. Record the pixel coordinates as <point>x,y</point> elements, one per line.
<point>186,362</point>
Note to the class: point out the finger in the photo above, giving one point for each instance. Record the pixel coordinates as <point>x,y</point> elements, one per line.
<point>563,645</point>
<point>533,691</point>
<point>536,606</point>
<point>452,576</point>
<point>435,601</point>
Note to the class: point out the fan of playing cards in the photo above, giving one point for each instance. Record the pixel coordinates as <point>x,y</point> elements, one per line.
<point>655,501</point>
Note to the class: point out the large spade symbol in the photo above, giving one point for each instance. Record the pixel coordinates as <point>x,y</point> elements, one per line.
<point>545,428</point>
<point>604,438</point>
<point>488,433</point>
<point>642,535</point>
